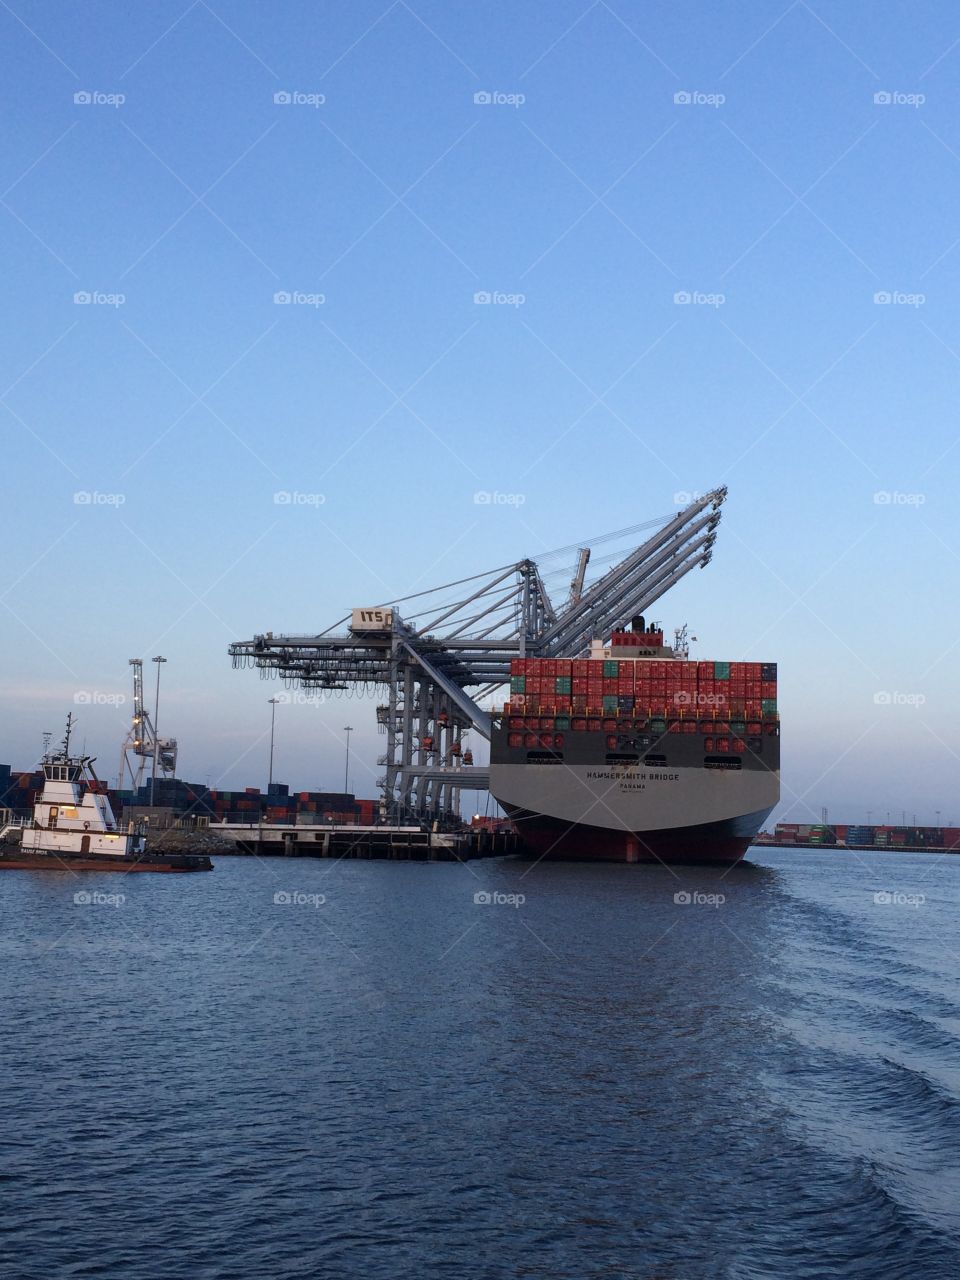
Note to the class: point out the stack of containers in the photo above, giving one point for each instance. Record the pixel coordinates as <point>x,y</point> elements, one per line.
<point>735,700</point>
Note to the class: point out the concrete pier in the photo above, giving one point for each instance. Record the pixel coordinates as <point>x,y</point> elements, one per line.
<point>395,843</point>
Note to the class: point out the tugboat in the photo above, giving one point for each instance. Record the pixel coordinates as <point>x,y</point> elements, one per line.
<point>74,828</point>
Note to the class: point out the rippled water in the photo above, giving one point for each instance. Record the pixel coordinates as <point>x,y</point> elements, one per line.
<point>399,1081</point>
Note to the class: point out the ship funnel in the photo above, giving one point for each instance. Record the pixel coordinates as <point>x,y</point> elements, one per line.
<point>638,624</point>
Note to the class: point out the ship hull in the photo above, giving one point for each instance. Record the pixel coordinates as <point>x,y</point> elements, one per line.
<point>683,814</point>
<point>705,844</point>
<point>34,860</point>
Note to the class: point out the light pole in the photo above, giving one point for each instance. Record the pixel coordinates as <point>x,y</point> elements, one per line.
<point>273,717</point>
<point>156,734</point>
<point>347,729</point>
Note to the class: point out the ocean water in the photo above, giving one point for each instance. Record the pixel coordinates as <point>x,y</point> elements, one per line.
<point>308,1069</point>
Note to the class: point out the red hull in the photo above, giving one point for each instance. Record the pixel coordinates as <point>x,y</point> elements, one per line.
<point>710,846</point>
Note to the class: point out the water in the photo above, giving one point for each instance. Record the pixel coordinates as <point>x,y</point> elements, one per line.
<point>598,1082</point>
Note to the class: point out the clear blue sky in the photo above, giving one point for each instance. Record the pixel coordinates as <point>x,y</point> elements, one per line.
<point>783,186</point>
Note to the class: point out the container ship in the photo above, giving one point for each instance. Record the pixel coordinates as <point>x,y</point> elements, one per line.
<point>638,753</point>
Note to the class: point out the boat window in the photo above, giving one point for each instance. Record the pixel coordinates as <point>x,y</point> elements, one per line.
<point>721,762</point>
<point>655,761</point>
<point>69,811</point>
<point>544,757</point>
<point>622,757</point>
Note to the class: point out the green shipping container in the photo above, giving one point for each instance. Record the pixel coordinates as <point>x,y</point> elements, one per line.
<point>658,727</point>
<point>721,671</point>
<point>562,722</point>
<point>611,667</point>
<point>518,684</point>
<point>610,702</point>
<point>738,727</point>
<point>768,706</point>
<point>562,684</point>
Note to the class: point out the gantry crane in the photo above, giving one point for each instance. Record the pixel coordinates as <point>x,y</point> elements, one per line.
<point>141,740</point>
<point>428,659</point>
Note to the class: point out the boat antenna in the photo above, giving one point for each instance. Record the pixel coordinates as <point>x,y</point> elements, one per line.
<point>66,739</point>
<point>47,738</point>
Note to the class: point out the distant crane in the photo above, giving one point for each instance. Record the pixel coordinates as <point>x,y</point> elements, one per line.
<point>141,740</point>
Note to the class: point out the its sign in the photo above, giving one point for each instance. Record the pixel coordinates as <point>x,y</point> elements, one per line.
<point>371,620</point>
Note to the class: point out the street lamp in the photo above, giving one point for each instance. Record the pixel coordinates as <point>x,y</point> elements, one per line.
<point>156,734</point>
<point>273,717</point>
<point>347,729</point>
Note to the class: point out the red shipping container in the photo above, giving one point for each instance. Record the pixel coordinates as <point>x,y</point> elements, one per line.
<point>564,666</point>
<point>768,689</point>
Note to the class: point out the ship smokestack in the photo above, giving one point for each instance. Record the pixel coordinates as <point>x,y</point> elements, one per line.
<point>637,624</point>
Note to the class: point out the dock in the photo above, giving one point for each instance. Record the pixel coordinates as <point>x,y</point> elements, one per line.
<point>398,844</point>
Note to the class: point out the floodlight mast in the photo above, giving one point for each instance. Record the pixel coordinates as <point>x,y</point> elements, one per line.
<point>448,644</point>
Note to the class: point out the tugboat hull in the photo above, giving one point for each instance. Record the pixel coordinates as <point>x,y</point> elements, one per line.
<point>34,860</point>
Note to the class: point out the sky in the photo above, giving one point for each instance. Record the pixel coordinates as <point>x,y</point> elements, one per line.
<point>242,246</point>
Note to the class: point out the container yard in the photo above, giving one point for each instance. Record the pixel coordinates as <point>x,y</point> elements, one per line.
<point>915,839</point>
